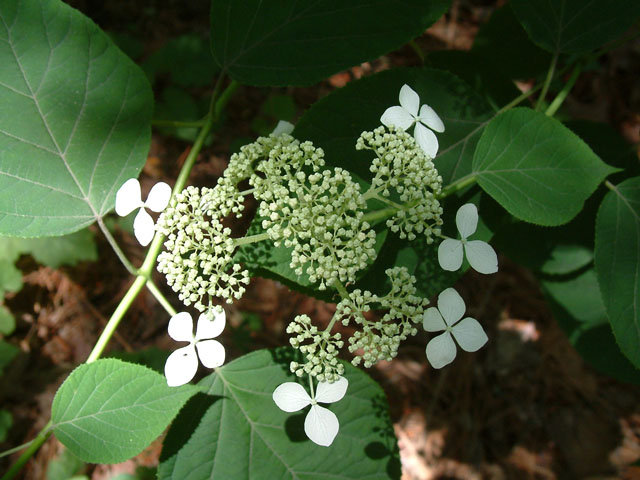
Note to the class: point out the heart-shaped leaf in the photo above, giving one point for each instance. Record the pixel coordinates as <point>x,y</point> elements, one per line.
<point>74,122</point>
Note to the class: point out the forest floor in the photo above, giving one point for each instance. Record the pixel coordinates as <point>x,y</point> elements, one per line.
<point>525,407</point>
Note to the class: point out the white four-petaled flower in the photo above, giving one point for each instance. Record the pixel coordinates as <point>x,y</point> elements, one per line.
<point>129,198</point>
<point>406,114</point>
<point>481,256</point>
<point>441,350</point>
<point>182,364</point>
<point>321,424</point>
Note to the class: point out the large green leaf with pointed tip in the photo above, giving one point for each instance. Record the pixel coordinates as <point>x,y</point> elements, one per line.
<point>536,168</point>
<point>288,42</point>
<point>110,410</point>
<point>74,122</point>
<point>236,418</point>
<point>617,259</point>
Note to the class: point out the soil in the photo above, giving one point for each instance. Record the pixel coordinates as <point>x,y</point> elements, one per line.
<point>524,407</point>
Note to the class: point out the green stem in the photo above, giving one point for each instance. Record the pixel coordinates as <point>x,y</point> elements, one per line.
<point>36,443</point>
<point>561,97</point>
<point>372,217</point>
<point>116,317</point>
<point>344,294</point>
<point>162,300</point>
<point>610,186</point>
<point>459,184</point>
<point>116,248</point>
<point>258,237</point>
<point>547,81</point>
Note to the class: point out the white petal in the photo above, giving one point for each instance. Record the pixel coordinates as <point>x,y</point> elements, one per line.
<point>432,321</point>
<point>467,219</point>
<point>291,397</point>
<point>211,353</point>
<point>159,196</point>
<point>128,197</point>
<point>482,257</point>
<point>181,366</point>
<point>181,327</point>
<point>331,392</point>
<point>441,350</point>
<point>469,334</point>
<point>143,227</point>
<point>321,425</point>
<point>210,324</point>
<point>282,127</point>
<point>409,100</point>
<point>426,139</point>
<point>431,119</point>
<point>450,254</point>
<point>451,306</point>
<point>398,117</point>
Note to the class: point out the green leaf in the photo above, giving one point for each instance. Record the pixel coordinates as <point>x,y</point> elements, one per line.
<point>335,122</point>
<point>242,421</point>
<point>7,353</point>
<point>109,410</point>
<point>573,26</point>
<point>516,58</point>
<point>577,305</point>
<point>536,168</point>
<point>617,260</point>
<point>7,322</point>
<point>74,123</point>
<point>6,421</point>
<point>300,43</point>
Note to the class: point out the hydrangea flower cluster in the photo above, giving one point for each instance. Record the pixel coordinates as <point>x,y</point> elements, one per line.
<point>321,352</point>
<point>198,260</point>
<point>402,172</point>
<point>373,341</point>
<point>379,340</point>
<point>318,215</point>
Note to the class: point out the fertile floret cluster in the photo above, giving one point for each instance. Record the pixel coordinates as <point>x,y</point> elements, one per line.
<point>380,339</point>
<point>375,340</point>
<point>198,261</point>
<point>406,178</point>
<point>321,352</point>
<point>318,213</point>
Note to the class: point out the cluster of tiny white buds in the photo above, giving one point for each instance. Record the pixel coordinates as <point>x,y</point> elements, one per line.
<point>198,257</point>
<point>380,339</point>
<point>404,173</point>
<point>317,213</point>
<point>320,349</point>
